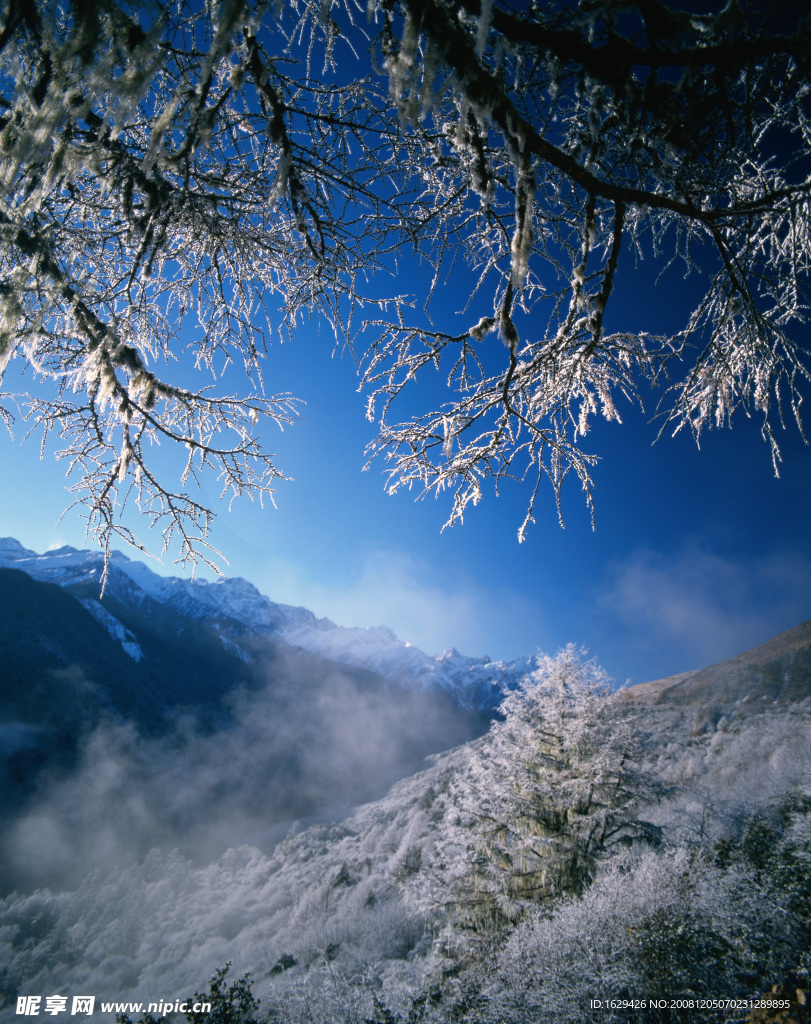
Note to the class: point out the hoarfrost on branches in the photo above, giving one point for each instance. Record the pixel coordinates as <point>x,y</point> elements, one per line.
<point>553,788</point>
<point>178,179</point>
<point>670,923</point>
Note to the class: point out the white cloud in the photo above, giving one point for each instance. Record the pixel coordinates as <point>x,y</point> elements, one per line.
<point>408,595</point>
<point>700,607</point>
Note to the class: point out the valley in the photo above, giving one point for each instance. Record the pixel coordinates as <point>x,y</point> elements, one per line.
<point>209,790</point>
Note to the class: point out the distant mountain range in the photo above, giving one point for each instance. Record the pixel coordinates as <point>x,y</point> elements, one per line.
<point>344,712</point>
<point>152,646</point>
<point>237,618</point>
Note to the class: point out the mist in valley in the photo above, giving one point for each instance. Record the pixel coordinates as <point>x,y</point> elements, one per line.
<point>152,862</point>
<point>317,738</point>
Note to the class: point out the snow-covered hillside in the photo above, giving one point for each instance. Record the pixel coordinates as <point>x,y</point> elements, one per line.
<point>340,912</point>
<point>146,858</point>
<point>475,683</point>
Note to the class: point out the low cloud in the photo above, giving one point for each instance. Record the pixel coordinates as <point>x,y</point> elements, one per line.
<point>434,613</point>
<point>694,607</point>
<point>315,737</point>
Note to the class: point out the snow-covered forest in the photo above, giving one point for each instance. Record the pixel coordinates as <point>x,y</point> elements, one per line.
<point>651,843</point>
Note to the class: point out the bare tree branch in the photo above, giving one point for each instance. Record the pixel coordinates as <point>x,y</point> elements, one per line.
<point>188,183</point>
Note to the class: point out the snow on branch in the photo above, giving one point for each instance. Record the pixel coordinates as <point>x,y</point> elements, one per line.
<point>185,185</point>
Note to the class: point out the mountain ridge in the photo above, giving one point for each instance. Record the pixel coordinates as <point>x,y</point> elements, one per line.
<point>778,670</point>
<point>242,617</point>
<point>476,684</point>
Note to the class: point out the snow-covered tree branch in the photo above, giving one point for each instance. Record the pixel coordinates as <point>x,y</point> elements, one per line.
<point>183,182</point>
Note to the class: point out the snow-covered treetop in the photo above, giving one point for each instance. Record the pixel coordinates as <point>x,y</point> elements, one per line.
<point>195,178</point>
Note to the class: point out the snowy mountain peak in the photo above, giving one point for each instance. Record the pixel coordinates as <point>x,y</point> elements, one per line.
<point>10,548</point>
<point>474,683</point>
<point>64,560</point>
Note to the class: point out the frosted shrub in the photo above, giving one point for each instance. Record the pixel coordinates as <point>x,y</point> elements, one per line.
<point>673,925</point>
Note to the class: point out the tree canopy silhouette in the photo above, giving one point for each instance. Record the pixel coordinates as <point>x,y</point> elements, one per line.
<point>197,178</point>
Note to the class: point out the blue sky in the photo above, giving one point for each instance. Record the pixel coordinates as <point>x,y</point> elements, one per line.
<point>696,555</point>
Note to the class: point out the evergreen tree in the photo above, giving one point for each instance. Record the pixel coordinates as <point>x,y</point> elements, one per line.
<point>553,787</point>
